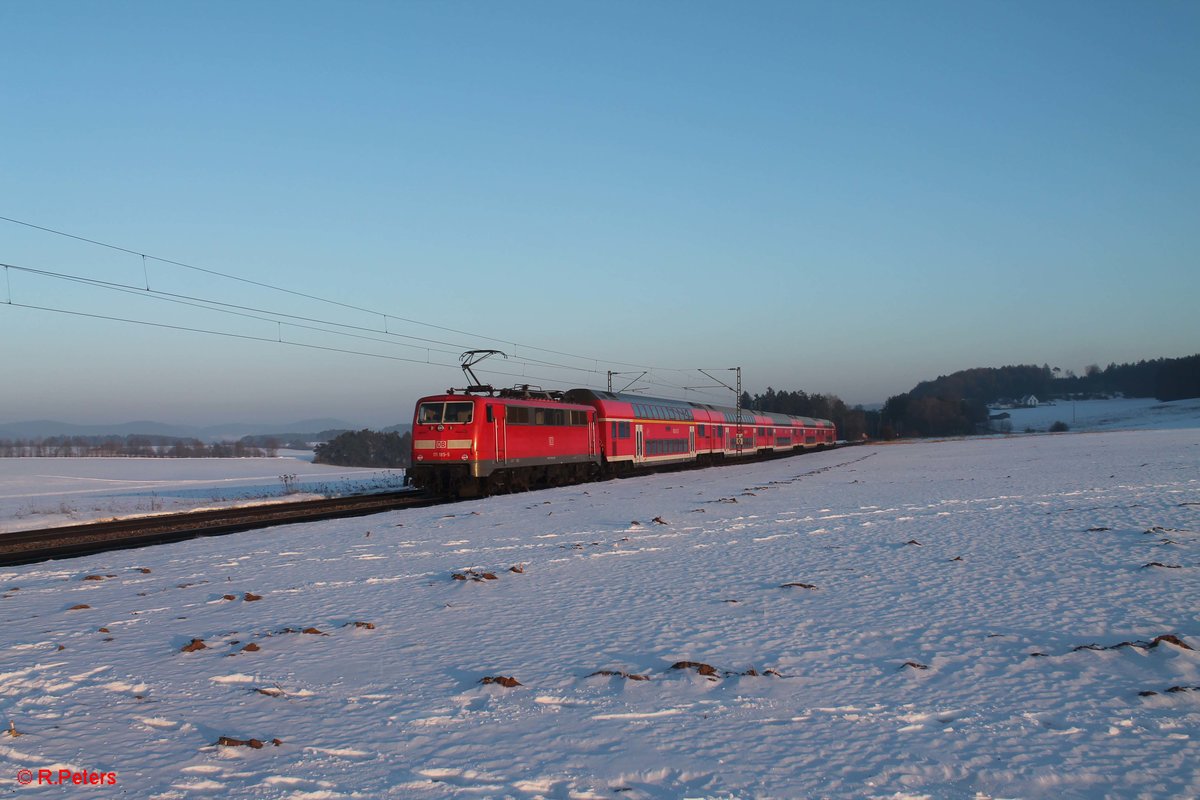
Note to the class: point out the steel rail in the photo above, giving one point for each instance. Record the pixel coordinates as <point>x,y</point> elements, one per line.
<point>25,547</point>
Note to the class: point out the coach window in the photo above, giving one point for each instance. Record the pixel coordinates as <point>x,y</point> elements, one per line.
<point>518,415</point>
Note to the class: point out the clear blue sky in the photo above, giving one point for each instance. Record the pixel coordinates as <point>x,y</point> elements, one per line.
<point>839,197</point>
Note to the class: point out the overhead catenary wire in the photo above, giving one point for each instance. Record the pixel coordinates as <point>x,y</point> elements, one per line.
<point>317,298</point>
<point>234,309</point>
<point>289,343</point>
<point>297,321</point>
<point>430,345</point>
<point>228,334</point>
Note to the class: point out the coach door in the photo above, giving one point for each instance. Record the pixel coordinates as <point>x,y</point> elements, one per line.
<point>639,452</point>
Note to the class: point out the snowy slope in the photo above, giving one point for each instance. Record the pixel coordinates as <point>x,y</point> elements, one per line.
<point>932,650</point>
<point>1133,413</point>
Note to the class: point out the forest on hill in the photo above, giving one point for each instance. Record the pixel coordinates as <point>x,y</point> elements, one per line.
<point>133,446</point>
<point>366,448</point>
<point>956,404</point>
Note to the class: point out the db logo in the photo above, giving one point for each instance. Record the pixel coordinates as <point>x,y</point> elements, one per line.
<point>441,444</point>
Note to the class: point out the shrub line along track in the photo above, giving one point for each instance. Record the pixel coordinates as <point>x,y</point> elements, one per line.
<point>26,547</point>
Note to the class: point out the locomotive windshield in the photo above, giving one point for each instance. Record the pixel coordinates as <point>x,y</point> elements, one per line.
<point>436,413</point>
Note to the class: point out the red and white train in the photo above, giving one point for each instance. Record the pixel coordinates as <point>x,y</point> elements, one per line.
<point>467,445</point>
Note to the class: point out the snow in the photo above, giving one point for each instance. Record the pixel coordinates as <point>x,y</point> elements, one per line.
<point>49,492</point>
<point>983,621</point>
<point>1116,414</point>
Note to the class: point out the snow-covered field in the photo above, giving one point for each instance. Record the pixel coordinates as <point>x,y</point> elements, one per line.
<point>47,492</point>
<point>1119,414</point>
<point>965,618</point>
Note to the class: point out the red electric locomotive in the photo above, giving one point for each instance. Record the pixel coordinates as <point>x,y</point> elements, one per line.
<point>466,445</point>
<point>483,441</point>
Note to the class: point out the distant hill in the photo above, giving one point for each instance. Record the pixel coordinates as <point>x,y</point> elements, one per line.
<point>41,429</point>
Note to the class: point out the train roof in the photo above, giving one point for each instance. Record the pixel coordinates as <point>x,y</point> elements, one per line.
<point>729,412</point>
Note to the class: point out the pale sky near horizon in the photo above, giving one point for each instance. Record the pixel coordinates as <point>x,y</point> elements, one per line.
<point>844,198</point>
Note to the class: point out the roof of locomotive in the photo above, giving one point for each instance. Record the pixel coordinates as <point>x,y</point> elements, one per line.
<point>533,397</point>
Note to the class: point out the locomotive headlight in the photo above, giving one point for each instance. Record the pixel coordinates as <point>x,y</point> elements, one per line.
<point>464,456</point>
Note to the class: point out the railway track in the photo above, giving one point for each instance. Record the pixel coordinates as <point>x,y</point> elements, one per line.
<point>25,547</point>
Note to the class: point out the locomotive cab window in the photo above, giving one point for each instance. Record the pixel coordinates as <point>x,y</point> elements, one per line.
<point>451,413</point>
<point>460,413</point>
